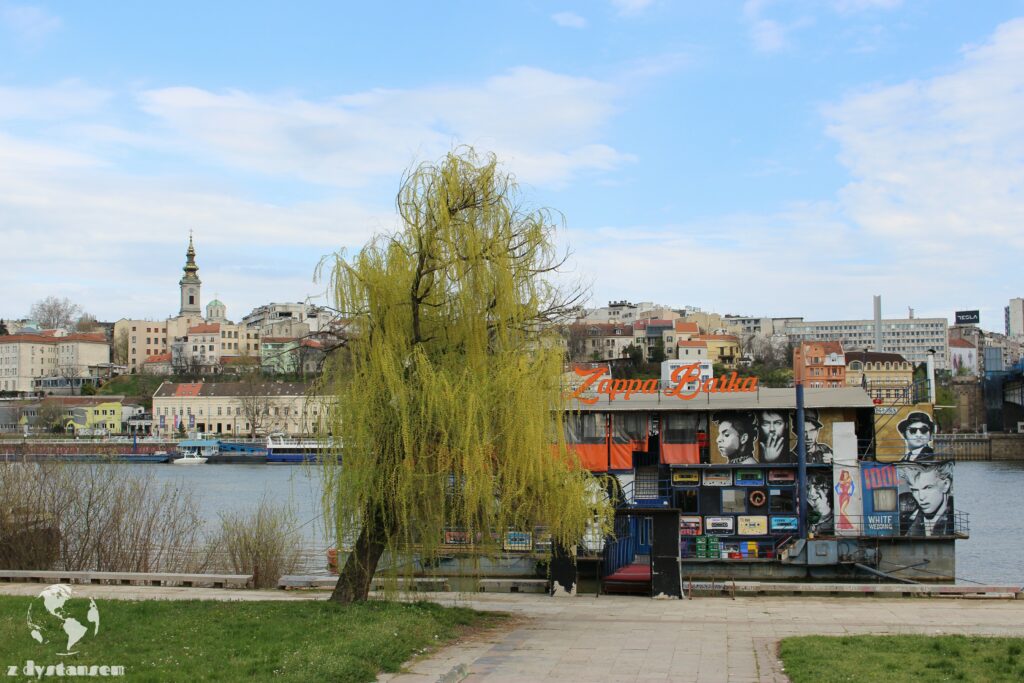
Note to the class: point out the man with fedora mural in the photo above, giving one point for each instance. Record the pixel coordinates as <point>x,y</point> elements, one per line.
<point>817,453</point>
<point>917,429</point>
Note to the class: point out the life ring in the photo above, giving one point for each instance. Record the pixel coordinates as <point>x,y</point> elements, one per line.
<point>757,498</point>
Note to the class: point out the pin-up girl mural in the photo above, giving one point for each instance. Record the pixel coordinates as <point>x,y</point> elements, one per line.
<point>844,494</point>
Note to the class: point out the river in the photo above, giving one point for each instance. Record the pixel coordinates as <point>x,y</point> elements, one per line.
<point>994,554</point>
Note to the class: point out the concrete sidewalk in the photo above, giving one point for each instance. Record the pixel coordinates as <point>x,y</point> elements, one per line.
<point>614,638</point>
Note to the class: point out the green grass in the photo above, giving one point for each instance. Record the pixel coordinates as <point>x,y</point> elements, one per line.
<point>244,641</point>
<point>899,659</point>
<point>131,386</point>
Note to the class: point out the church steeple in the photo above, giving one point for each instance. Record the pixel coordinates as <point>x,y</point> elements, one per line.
<point>190,283</point>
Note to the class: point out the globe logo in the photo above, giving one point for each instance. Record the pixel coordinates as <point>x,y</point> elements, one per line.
<point>55,616</point>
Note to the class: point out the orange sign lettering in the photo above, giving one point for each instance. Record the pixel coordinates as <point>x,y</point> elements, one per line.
<point>593,385</point>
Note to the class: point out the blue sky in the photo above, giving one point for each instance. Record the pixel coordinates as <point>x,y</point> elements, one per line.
<point>765,157</point>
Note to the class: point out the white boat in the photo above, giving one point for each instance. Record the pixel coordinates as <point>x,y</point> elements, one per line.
<point>196,451</point>
<point>282,448</point>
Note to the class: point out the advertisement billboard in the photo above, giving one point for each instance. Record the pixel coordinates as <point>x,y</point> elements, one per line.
<point>967,317</point>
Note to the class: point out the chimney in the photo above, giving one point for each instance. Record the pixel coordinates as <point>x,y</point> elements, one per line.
<point>878,323</point>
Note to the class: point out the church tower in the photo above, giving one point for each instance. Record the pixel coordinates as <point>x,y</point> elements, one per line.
<point>190,284</point>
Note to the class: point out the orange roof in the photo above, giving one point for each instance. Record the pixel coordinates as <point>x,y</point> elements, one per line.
<point>99,338</point>
<point>204,329</point>
<point>694,344</point>
<point>48,339</point>
<point>960,344</point>
<point>683,326</point>
<point>188,389</point>
<point>312,343</point>
<point>159,358</point>
<point>718,337</point>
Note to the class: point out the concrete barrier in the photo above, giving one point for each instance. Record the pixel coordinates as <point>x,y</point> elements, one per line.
<point>128,578</point>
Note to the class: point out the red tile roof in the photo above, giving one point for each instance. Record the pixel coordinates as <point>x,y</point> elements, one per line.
<point>960,344</point>
<point>206,328</point>
<point>159,358</point>
<point>188,389</point>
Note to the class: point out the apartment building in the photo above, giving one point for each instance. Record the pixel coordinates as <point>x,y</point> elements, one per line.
<point>912,338</point>
<point>28,357</point>
<point>820,364</point>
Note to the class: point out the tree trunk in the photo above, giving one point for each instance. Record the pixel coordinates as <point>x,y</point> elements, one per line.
<point>360,566</point>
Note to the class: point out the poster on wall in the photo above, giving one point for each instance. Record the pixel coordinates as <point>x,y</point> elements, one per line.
<point>881,508</point>
<point>820,518</point>
<point>719,526</point>
<point>734,437</point>
<point>752,525</point>
<point>773,437</point>
<point>926,498</point>
<point>905,433</point>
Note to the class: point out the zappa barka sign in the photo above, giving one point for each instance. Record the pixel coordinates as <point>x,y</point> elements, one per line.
<point>685,385</point>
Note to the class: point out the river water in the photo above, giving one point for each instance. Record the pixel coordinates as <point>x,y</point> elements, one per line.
<point>994,554</point>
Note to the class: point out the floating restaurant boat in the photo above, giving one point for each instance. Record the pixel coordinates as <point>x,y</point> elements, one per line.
<point>714,482</point>
<point>282,448</point>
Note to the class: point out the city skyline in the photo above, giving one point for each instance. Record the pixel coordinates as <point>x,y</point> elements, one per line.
<point>758,158</point>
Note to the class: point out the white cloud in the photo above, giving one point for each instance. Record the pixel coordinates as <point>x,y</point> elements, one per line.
<point>854,6</point>
<point>56,102</point>
<point>30,24</point>
<point>569,20</point>
<point>940,158</point>
<point>769,35</point>
<point>548,121</point>
<point>627,7</point>
<point>931,217</point>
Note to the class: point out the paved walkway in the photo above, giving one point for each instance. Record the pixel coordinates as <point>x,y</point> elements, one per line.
<point>637,639</point>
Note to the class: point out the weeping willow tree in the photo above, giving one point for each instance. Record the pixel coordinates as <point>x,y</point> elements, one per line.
<point>446,397</point>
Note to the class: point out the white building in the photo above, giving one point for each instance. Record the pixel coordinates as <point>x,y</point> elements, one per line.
<point>912,338</point>
<point>1015,318</point>
<point>28,357</point>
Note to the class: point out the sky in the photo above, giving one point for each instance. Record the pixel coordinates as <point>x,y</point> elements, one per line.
<point>767,157</point>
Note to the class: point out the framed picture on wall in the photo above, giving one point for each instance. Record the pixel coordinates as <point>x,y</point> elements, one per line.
<point>783,523</point>
<point>690,526</point>
<point>781,477</point>
<point>718,477</point>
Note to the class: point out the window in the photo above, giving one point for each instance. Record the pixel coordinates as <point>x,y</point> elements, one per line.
<point>734,501</point>
<point>885,500</point>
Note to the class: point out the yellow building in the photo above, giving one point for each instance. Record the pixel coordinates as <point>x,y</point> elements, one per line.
<point>722,348</point>
<point>888,377</point>
<point>101,419</point>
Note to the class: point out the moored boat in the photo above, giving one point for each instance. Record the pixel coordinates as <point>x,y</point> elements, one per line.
<point>282,448</point>
<point>196,451</point>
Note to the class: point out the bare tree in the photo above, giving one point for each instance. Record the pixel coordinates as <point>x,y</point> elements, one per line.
<point>121,348</point>
<point>70,373</point>
<point>254,402</point>
<point>52,312</point>
<point>87,323</point>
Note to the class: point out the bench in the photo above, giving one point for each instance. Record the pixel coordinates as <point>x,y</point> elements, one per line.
<point>129,578</point>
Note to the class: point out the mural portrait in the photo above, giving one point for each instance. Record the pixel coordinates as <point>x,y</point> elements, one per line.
<point>820,518</point>
<point>816,435</point>
<point>773,437</point>
<point>904,433</point>
<point>926,499</point>
<point>917,430</point>
<point>734,436</point>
